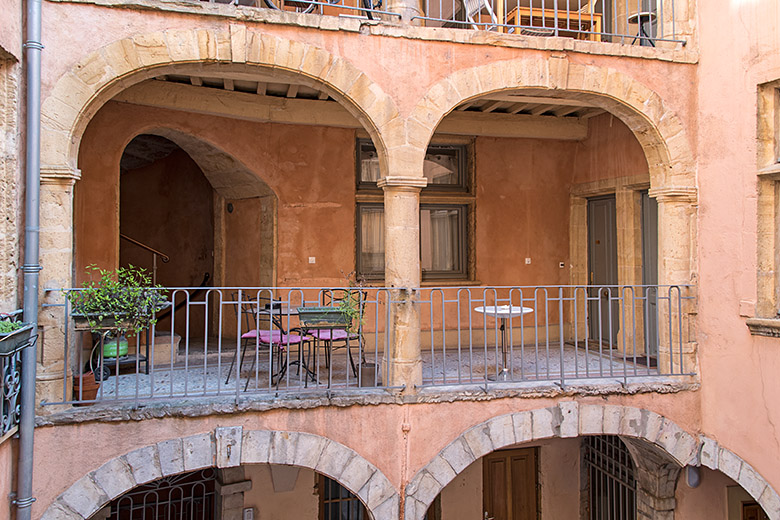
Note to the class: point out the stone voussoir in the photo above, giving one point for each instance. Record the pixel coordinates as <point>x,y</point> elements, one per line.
<point>114,478</point>
<point>84,497</point>
<point>144,463</point>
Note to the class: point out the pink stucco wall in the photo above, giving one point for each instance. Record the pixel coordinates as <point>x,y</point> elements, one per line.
<point>739,372</point>
<point>715,100</point>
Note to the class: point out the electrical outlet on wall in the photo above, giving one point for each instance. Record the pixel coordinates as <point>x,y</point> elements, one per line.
<point>312,259</point>
<point>527,261</point>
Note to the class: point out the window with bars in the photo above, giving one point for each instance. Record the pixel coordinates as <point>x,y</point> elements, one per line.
<point>338,503</point>
<point>611,482</point>
<point>444,213</point>
<point>189,496</point>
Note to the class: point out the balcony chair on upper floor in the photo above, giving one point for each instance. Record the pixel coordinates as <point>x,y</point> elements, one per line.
<point>274,337</point>
<point>346,337</point>
<point>474,9</point>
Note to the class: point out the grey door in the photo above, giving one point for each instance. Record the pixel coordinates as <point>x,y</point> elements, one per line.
<point>650,271</point>
<point>604,309</point>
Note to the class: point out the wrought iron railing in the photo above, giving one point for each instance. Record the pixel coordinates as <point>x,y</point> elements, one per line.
<point>641,22</point>
<point>488,335</point>
<point>230,342</point>
<point>11,372</point>
<point>239,342</point>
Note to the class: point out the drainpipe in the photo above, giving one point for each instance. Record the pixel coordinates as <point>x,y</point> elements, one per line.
<point>32,50</point>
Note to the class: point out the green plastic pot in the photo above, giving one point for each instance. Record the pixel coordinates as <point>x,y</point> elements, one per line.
<point>115,347</point>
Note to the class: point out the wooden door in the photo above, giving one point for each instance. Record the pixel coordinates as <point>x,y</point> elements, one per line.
<point>752,511</point>
<point>604,310</point>
<point>510,484</point>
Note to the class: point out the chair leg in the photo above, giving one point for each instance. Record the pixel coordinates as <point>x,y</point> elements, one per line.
<point>241,362</point>
<point>351,359</point>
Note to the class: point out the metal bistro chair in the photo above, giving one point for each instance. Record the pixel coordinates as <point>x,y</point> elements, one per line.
<point>329,337</point>
<point>474,9</point>
<point>255,334</point>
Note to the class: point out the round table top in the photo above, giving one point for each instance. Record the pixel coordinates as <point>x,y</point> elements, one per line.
<point>504,311</point>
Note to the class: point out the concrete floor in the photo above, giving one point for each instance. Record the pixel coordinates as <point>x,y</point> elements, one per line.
<point>197,374</point>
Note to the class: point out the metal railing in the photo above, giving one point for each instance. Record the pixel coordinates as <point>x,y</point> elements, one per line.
<point>11,373</point>
<point>490,335</point>
<point>240,342</point>
<point>229,341</point>
<point>368,9</point>
<point>642,22</point>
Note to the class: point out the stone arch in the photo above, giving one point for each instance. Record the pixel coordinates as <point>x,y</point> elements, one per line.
<point>570,419</point>
<point>657,128</point>
<point>80,92</point>
<point>228,176</point>
<point>227,447</point>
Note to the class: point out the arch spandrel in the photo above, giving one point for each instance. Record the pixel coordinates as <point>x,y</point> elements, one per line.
<point>658,129</point>
<point>95,490</point>
<point>80,92</point>
<point>570,419</point>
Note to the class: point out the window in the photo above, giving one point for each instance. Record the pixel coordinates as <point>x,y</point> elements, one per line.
<point>445,209</point>
<point>338,503</point>
<point>611,482</point>
<point>188,496</point>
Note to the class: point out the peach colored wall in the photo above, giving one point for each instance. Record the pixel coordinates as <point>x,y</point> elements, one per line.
<point>300,503</point>
<point>739,372</point>
<point>168,206</point>
<point>610,150</point>
<point>386,53</point>
<point>8,467</point>
<point>521,204</point>
<point>522,190</point>
<point>462,498</point>
<point>709,500</point>
<point>297,162</point>
<point>369,430</point>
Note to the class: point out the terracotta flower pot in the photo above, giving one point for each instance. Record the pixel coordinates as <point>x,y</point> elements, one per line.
<point>87,386</point>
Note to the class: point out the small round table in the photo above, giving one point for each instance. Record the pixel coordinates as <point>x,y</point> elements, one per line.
<point>503,312</point>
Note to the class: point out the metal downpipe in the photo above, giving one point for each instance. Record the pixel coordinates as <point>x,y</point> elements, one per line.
<point>31,267</point>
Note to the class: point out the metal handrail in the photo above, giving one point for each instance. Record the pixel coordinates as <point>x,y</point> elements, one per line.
<point>165,258</point>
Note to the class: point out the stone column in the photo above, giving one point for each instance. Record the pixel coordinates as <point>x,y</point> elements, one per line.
<point>406,8</point>
<point>56,258</point>
<point>402,274</point>
<point>578,256</point>
<point>676,258</point>
<point>628,204</point>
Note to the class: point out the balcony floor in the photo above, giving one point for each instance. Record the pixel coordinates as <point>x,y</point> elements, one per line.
<point>191,377</point>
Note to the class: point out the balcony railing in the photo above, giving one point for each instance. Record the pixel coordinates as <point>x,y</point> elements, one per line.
<point>237,343</point>
<point>641,22</point>
<point>11,372</point>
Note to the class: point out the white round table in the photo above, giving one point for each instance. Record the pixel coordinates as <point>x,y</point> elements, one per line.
<point>503,312</point>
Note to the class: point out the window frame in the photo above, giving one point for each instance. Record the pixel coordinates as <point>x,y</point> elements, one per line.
<point>458,196</point>
<point>322,483</point>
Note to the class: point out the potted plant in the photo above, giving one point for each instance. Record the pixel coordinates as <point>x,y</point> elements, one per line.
<point>13,334</point>
<point>122,300</point>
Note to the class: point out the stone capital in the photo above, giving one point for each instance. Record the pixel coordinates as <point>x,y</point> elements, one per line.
<point>683,194</point>
<point>63,175</point>
<point>402,183</point>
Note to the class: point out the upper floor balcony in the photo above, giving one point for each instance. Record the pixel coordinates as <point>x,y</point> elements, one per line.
<point>244,344</point>
<point>635,22</point>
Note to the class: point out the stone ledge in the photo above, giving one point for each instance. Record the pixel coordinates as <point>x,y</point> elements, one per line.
<point>678,54</point>
<point>211,406</point>
<point>769,327</point>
